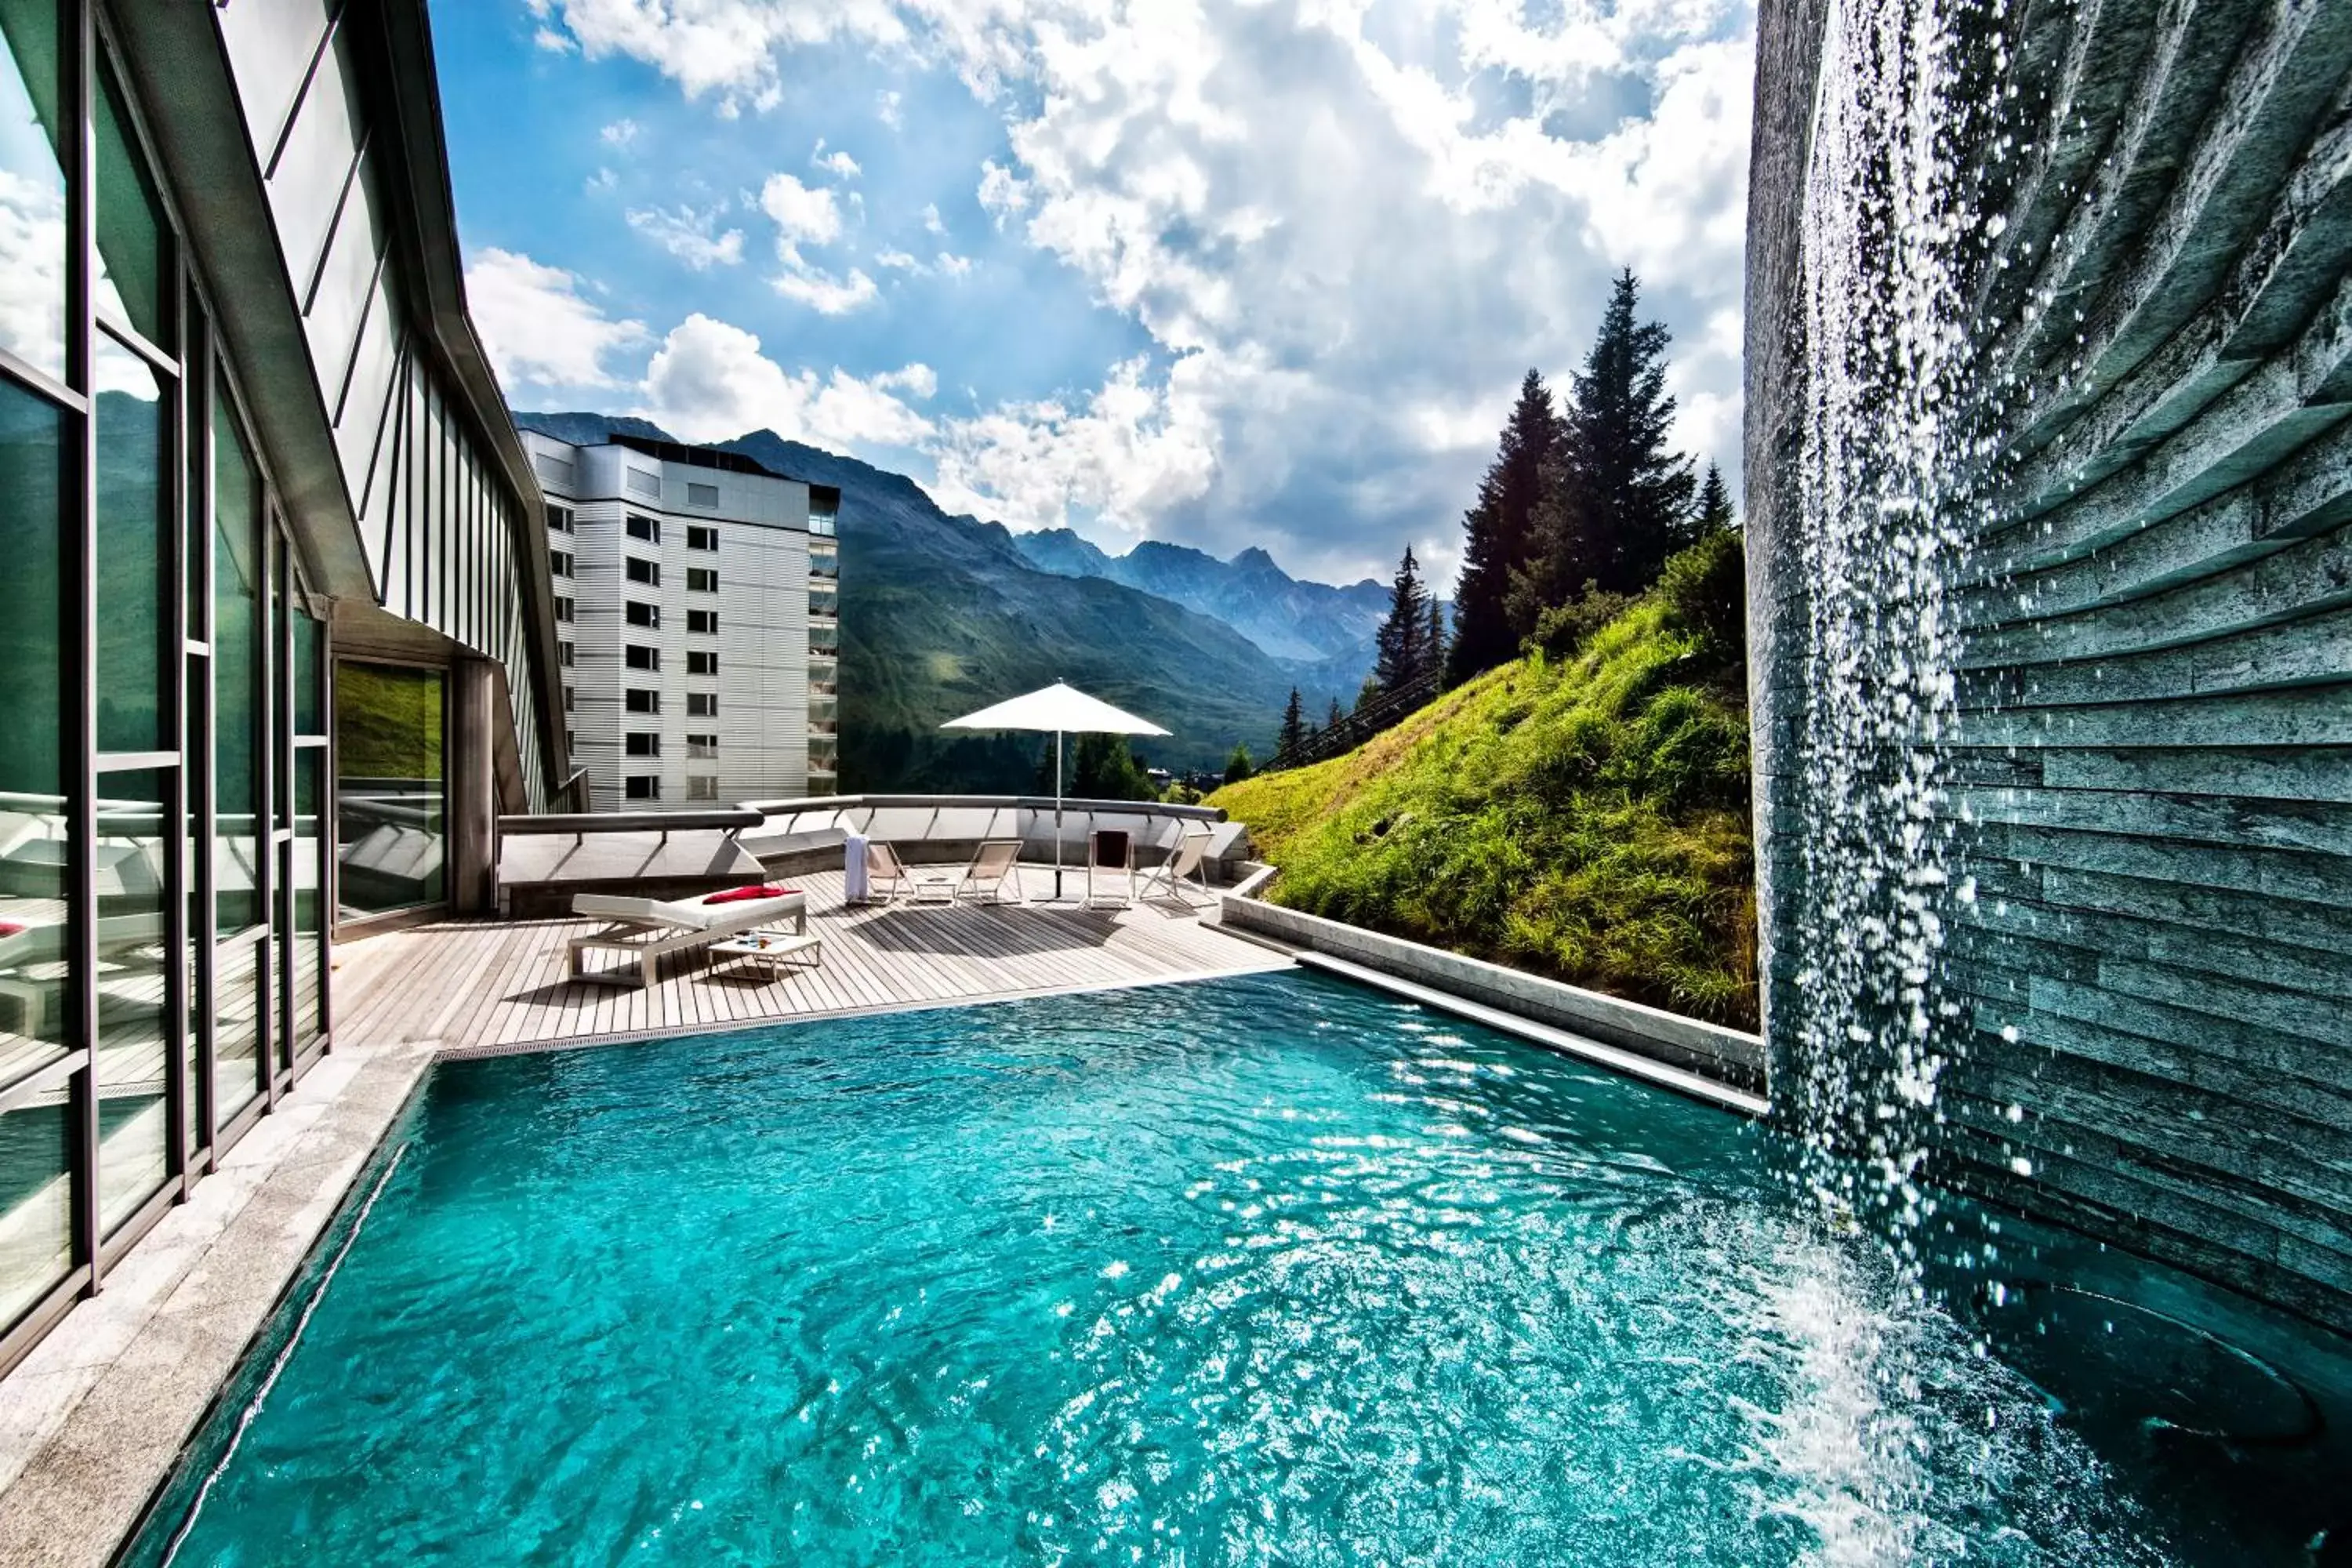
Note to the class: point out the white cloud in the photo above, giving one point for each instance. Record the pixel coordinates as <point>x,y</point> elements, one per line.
<point>554,42</point>
<point>887,111</point>
<point>537,327</point>
<point>826,293</point>
<point>838,161</point>
<point>933,222</point>
<point>1002,194</point>
<point>802,215</point>
<point>620,133</point>
<point>952,265</point>
<point>1346,225</point>
<point>692,237</point>
<point>599,183</point>
<point>708,381</point>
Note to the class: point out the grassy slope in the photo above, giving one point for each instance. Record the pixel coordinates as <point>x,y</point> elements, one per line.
<point>1584,818</point>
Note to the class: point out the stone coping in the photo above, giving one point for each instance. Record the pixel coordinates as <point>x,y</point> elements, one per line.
<point>1728,1057</point>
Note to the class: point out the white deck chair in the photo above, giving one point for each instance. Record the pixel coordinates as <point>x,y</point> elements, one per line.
<point>995,863</point>
<point>886,874</point>
<point>1187,859</point>
<point>650,930</point>
<point>1110,857</point>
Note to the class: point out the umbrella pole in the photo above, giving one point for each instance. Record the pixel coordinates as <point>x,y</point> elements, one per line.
<point>1057,817</point>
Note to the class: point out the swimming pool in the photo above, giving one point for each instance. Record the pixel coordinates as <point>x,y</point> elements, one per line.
<point>1269,1269</point>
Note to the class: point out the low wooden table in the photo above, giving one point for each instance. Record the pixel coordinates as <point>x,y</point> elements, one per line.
<point>779,949</point>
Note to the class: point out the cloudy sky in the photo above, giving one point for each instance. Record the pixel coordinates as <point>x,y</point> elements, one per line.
<point>1225,272</point>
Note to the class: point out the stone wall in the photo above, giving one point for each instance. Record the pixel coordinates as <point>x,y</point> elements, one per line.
<point>2154,757</point>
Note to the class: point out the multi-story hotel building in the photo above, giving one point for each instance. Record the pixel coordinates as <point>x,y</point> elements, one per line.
<point>280,647</point>
<point>698,606</point>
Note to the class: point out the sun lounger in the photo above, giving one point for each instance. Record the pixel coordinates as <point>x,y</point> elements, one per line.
<point>886,874</point>
<point>996,863</point>
<point>1187,859</point>
<point>650,930</point>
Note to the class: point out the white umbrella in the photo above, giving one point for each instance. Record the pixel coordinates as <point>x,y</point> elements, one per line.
<point>1062,709</point>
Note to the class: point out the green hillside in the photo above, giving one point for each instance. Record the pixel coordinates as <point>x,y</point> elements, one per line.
<point>1583,815</point>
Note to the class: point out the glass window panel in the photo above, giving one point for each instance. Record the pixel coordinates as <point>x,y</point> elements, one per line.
<point>36,1203</point>
<point>33,834</point>
<point>132,566</point>
<point>304,878</point>
<point>308,636</point>
<point>240,997</point>
<point>237,678</point>
<point>389,804</point>
<point>134,273</point>
<point>129,870</point>
<point>32,188</point>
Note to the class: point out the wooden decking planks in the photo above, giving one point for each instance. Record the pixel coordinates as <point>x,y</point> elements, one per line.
<point>477,986</point>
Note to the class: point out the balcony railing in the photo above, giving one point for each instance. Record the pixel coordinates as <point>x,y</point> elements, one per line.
<point>824,727</point>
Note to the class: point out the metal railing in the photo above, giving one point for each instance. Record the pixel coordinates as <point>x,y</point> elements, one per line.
<point>1354,729</point>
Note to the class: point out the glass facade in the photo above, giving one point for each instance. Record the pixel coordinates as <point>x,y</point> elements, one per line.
<point>164,860</point>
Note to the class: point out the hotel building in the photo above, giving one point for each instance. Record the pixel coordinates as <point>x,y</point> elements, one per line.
<point>697,609</point>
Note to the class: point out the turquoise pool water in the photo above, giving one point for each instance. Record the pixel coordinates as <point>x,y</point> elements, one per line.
<point>1267,1269</point>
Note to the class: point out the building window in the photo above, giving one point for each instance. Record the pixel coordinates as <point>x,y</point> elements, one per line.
<point>704,787</point>
<point>641,786</point>
<point>701,661</point>
<point>704,623</point>
<point>645,572</point>
<point>702,580</point>
<point>638,615</point>
<point>564,654</point>
<point>641,702</point>
<point>702,705</point>
<point>642,743</point>
<point>563,606</point>
<point>698,537</point>
<point>645,484</point>
<point>553,471</point>
<point>702,747</point>
<point>388,800</point>
<point>571,699</point>
<point>639,658</point>
<point>645,528</point>
<point>558,518</point>
<point>701,495</point>
<point>572,741</point>
<point>559,562</point>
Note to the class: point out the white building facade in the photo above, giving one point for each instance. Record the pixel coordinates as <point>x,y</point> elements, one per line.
<point>698,609</point>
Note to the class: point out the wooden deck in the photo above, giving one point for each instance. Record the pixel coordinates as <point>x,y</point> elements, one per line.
<point>480,987</point>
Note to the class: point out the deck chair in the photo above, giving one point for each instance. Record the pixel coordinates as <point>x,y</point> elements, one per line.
<point>650,930</point>
<point>1187,859</point>
<point>886,874</point>
<point>995,863</point>
<point>1110,859</point>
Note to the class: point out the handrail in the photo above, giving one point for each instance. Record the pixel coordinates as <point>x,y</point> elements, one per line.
<point>1026,802</point>
<point>577,822</point>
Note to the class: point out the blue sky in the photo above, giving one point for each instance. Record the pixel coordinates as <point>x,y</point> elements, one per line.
<point>1219,272</point>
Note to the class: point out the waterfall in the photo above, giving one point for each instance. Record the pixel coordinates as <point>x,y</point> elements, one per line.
<point>1888,485</point>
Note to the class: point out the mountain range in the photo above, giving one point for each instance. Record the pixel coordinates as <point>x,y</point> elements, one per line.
<point>941,615</point>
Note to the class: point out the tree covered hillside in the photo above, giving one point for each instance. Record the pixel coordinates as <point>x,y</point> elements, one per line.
<point>1580,812</point>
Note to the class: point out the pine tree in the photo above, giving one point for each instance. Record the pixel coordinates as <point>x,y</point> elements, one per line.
<point>1104,769</point>
<point>1238,766</point>
<point>1338,715</point>
<point>1399,642</point>
<point>1433,641</point>
<point>1497,526</point>
<point>1294,729</point>
<point>1714,513</point>
<point>1620,501</point>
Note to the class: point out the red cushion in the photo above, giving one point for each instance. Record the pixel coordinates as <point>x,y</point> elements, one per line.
<point>743,895</point>
<point>12,928</point>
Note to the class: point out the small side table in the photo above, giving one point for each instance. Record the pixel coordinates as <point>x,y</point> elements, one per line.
<point>777,950</point>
